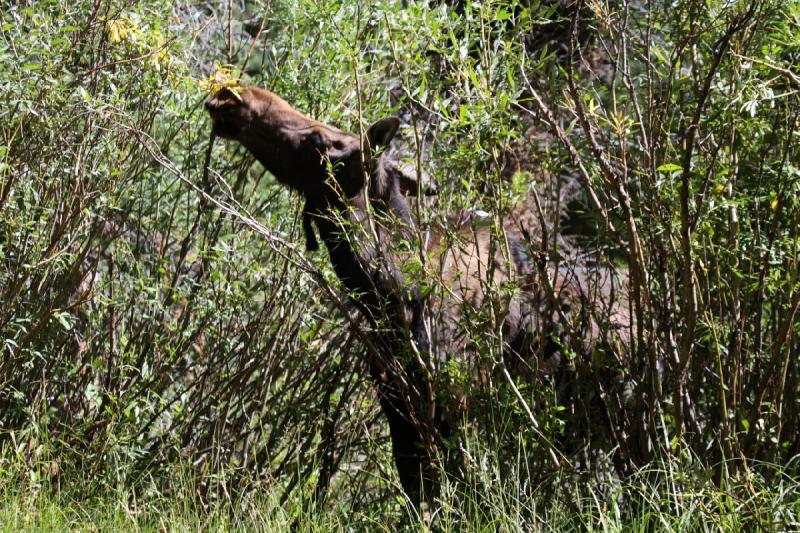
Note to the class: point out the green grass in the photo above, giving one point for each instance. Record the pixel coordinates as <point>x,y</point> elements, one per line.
<point>126,511</point>
<point>761,497</point>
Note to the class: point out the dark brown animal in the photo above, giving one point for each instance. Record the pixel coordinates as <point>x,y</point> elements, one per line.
<point>414,287</point>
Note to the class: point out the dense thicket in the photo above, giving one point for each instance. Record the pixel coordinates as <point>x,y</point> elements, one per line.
<point>157,314</point>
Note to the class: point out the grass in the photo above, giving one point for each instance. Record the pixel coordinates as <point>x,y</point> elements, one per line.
<point>760,497</point>
<point>25,510</point>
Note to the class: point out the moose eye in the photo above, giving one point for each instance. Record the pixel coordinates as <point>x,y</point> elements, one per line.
<point>316,141</point>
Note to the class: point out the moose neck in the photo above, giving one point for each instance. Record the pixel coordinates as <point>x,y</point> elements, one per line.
<point>359,235</point>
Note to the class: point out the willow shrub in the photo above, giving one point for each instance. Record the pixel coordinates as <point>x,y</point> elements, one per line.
<point>143,326</point>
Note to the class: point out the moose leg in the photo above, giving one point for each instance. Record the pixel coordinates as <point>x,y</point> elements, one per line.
<point>415,463</point>
<point>312,245</point>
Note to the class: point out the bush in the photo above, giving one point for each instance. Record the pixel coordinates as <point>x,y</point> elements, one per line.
<point>155,312</point>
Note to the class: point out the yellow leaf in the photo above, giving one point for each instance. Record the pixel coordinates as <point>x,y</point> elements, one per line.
<point>120,29</point>
<point>224,77</point>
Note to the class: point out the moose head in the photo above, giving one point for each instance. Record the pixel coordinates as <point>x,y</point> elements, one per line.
<point>326,165</point>
<point>302,152</point>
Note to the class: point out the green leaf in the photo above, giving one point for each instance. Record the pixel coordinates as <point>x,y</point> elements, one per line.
<point>501,15</point>
<point>669,167</point>
<point>63,319</point>
<point>463,114</point>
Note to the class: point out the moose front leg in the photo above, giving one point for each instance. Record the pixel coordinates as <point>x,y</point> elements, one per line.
<point>309,211</point>
<point>414,449</point>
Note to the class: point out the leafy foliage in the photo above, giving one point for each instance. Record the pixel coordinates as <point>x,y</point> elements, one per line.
<point>155,312</point>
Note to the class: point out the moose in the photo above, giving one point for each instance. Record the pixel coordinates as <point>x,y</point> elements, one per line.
<point>357,201</point>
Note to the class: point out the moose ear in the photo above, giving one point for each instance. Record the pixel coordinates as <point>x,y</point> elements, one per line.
<point>382,132</point>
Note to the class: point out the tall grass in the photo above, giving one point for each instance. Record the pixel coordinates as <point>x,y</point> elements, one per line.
<point>660,497</point>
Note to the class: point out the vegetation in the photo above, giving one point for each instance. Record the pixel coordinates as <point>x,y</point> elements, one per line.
<point>167,339</point>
